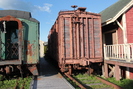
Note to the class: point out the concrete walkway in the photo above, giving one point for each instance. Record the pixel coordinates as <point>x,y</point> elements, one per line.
<point>49,78</point>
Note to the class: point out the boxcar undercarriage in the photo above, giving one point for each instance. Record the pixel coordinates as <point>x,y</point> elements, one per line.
<point>91,67</point>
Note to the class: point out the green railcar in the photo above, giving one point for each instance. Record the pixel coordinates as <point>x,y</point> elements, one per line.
<point>19,41</point>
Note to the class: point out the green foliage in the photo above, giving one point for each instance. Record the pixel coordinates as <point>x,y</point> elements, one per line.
<point>45,49</point>
<point>99,86</point>
<point>85,76</point>
<point>1,77</point>
<point>27,82</point>
<point>8,84</point>
<point>91,81</point>
<point>19,83</point>
<point>125,83</point>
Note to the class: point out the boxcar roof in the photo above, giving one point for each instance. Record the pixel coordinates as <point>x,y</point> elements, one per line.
<point>18,14</point>
<point>114,11</point>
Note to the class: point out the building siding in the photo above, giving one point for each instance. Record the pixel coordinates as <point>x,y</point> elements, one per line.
<point>129,24</point>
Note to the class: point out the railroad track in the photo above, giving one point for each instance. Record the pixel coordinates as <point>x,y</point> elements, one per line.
<point>83,81</point>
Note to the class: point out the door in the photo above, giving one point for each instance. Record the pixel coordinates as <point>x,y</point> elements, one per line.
<point>110,38</point>
<point>10,38</point>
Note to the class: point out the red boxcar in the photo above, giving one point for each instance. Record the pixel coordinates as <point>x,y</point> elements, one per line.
<point>75,39</point>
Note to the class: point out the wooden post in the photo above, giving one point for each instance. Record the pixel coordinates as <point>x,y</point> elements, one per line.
<point>106,70</point>
<point>117,72</point>
<point>105,56</point>
<point>127,73</point>
<point>111,73</point>
<point>103,70</point>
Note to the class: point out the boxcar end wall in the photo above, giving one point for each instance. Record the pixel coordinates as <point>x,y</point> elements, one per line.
<point>75,38</point>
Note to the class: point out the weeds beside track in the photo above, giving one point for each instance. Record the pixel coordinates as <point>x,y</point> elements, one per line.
<point>84,81</point>
<point>18,83</point>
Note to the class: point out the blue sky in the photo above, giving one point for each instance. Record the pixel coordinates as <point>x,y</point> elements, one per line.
<point>46,11</point>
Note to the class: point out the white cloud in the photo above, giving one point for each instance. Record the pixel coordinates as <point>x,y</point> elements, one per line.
<point>22,5</point>
<point>46,7</point>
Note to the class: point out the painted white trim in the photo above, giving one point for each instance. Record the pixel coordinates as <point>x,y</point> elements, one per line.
<point>119,25</point>
<point>124,27</point>
<point>127,73</point>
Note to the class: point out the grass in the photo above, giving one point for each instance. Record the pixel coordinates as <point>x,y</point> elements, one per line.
<point>91,81</point>
<point>8,84</point>
<point>125,83</point>
<point>1,77</point>
<point>21,83</point>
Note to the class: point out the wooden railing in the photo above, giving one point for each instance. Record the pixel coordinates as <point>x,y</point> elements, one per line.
<point>119,51</point>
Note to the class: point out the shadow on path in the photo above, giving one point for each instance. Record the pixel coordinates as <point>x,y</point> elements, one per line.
<point>45,70</point>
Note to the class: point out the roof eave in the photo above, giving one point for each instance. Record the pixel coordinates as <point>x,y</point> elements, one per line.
<point>118,14</point>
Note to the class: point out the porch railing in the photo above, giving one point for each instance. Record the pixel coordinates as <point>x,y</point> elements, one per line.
<point>119,51</point>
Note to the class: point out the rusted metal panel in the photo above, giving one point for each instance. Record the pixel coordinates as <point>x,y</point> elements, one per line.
<point>33,69</point>
<point>9,62</point>
<point>20,45</point>
<point>71,43</point>
<point>91,38</point>
<point>11,39</point>
<point>79,37</point>
<point>87,36</point>
<point>97,38</point>
<point>11,18</point>
<point>19,41</point>
<point>66,38</point>
<point>31,42</point>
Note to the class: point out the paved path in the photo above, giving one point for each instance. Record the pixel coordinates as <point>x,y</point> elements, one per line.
<point>49,78</point>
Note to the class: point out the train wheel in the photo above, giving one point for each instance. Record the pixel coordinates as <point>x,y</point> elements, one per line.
<point>62,68</point>
<point>90,70</point>
<point>7,69</point>
<point>20,70</point>
<point>70,69</point>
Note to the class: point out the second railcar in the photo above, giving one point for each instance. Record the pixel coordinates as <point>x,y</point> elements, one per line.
<point>75,39</point>
<point>19,42</point>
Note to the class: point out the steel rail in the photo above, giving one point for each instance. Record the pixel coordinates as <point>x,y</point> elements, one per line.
<point>79,84</point>
<point>109,83</point>
<point>102,80</point>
